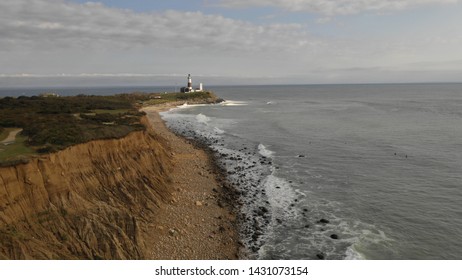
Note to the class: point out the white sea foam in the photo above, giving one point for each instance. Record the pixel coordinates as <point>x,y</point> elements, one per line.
<point>280,194</point>
<point>185,105</point>
<point>358,236</point>
<point>201,118</point>
<point>218,131</point>
<point>174,109</point>
<point>262,150</point>
<point>233,103</point>
<point>352,254</point>
<point>188,106</point>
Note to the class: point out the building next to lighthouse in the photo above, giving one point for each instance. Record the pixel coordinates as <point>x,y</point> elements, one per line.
<point>190,88</point>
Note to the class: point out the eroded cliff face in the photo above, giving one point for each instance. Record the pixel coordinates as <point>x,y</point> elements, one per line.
<point>89,201</point>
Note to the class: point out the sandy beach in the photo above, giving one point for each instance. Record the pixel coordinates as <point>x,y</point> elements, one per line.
<point>198,223</point>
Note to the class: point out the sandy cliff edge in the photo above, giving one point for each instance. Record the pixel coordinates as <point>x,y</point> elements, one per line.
<point>149,195</point>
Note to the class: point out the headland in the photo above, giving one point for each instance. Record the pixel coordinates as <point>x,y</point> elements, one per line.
<point>148,194</point>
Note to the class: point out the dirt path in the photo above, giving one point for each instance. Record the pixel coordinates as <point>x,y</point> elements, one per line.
<point>11,137</point>
<point>195,225</point>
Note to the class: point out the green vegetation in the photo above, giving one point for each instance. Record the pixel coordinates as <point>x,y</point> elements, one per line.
<point>51,124</point>
<point>112,112</point>
<point>12,151</point>
<point>179,96</point>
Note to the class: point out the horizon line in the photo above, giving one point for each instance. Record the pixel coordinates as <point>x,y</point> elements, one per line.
<point>230,85</point>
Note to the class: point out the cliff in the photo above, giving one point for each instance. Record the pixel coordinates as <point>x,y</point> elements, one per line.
<point>89,201</point>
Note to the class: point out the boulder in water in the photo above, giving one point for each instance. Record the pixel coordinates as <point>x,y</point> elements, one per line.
<point>323,221</point>
<point>334,236</point>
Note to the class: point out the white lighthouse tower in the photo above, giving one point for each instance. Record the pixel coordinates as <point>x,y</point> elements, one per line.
<point>190,83</point>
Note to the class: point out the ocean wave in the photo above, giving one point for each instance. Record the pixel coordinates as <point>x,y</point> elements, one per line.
<point>193,126</point>
<point>186,105</point>
<point>352,254</point>
<point>201,118</point>
<point>233,103</point>
<point>264,151</point>
<point>218,130</point>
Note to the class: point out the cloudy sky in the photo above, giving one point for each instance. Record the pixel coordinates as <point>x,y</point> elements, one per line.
<point>157,42</point>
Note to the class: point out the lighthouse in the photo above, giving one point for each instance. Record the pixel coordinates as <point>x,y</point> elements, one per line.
<point>190,88</point>
<point>189,83</point>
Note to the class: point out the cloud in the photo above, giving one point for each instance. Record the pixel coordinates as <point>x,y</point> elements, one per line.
<point>58,24</point>
<point>89,75</point>
<point>43,37</point>
<point>333,7</point>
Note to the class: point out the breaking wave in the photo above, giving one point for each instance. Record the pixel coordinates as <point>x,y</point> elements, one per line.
<point>264,151</point>
<point>233,103</point>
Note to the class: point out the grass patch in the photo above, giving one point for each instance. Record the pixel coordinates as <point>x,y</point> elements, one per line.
<point>179,96</point>
<point>3,134</point>
<point>12,151</point>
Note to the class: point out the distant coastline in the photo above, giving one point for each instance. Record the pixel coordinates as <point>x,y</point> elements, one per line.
<point>112,90</point>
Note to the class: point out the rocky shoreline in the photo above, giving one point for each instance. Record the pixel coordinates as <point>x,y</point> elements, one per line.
<point>241,173</point>
<point>200,221</point>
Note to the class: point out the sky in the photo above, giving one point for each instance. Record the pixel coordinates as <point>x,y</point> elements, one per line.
<point>158,42</point>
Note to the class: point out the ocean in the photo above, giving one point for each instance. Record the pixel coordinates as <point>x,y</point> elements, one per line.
<point>334,171</point>
<point>339,171</point>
